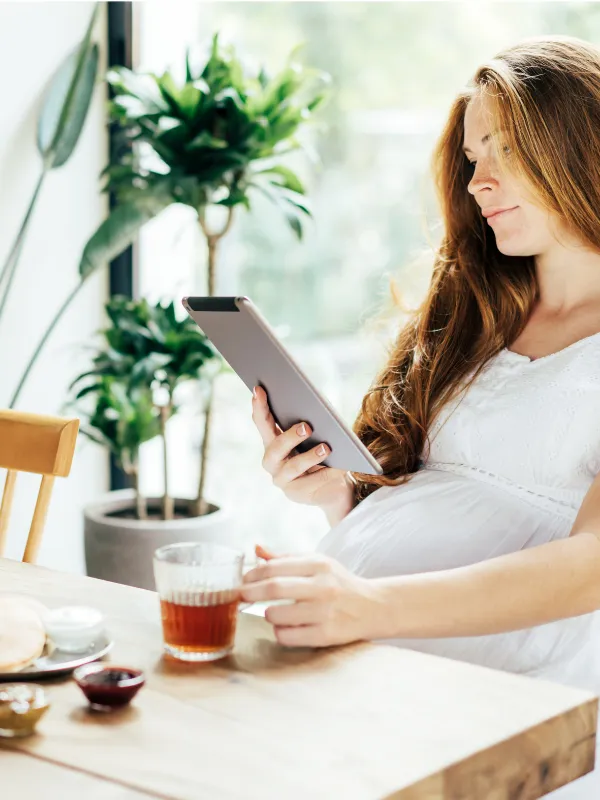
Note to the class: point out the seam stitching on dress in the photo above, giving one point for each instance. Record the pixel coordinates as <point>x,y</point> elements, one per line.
<point>500,479</point>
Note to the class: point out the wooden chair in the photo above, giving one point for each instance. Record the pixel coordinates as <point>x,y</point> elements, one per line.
<point>38,444</point>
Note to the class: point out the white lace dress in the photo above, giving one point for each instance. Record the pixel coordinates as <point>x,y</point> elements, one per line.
<point>509,465</point>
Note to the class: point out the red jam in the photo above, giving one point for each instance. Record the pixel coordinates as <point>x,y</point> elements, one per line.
<point>107,686</point>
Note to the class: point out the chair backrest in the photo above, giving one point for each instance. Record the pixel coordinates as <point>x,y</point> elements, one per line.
<point>38,444</point>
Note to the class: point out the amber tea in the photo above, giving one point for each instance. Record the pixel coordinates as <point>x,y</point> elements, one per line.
<point>199,590</point>
<point>207,627</point>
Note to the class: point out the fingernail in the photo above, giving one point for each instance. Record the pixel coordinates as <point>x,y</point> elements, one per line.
<point>254,392</point>
<point>321,450</point>
<point>301,430</point>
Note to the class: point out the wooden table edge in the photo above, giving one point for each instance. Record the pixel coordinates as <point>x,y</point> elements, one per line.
<point>547,770</point>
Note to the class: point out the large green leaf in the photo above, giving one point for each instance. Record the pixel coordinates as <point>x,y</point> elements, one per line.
<point>118,232</point>
<point>142,86</point>
<point>132,107</point>
<point>67,102</point>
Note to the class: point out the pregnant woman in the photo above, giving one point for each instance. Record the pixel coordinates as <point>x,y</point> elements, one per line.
<point>481,540</point>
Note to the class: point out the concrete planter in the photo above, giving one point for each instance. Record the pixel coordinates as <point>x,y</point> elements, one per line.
<point>120,550</point>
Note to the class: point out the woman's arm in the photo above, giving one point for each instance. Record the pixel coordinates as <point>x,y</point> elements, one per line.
<point>530,587</point>
<point>553,581</point>
<point>541,584</point>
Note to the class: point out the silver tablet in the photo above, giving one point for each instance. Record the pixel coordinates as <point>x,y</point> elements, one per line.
<point>248,343</point>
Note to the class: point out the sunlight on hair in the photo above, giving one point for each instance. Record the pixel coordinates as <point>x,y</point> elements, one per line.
<point>461,301</point>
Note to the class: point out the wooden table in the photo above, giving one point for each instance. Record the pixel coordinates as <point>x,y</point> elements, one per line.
<point>359,722</point>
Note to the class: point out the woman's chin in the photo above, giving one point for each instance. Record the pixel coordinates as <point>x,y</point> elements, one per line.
<point>513,248</point>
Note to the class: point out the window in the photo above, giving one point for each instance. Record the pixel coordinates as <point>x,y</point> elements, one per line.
<point>396,68</point>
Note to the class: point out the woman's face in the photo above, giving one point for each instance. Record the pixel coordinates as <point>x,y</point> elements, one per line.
<point>526,229</point>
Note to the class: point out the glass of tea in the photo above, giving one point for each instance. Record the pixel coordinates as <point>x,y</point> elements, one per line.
<point>199,589</point>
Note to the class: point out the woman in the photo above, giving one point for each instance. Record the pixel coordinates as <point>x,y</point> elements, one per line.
<point>481,541</point>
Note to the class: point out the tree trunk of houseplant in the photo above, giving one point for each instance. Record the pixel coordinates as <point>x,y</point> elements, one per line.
<point>167,500</point>
<point>200,506</point>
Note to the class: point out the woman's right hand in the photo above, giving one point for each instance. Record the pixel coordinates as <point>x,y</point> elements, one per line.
<point>300,476</point>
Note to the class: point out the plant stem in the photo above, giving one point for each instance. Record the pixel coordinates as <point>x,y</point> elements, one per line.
<point>215,235</point>
<point>43,341</point>
<point>141,508</point>
<point>12,260</point>
<point>167,501</point>
<point>200,505</point>
<point>212,241</point>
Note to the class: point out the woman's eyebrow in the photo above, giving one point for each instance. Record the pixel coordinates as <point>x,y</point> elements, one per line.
<point>486,138</point>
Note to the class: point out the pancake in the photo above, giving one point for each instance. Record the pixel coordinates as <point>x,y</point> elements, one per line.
<point>31,602</point>
<point>22,633</point>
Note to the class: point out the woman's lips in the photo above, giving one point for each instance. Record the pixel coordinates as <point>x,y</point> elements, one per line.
<point>500,214</point>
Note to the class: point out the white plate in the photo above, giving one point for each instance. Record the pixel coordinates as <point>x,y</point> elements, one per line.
<point>60,662</point>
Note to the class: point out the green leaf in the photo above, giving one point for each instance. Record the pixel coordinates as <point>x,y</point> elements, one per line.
<point>169,91</point>
<point>132,106</point>
<point>189,77</point>
<point>231,94</point>
<point>299,202</point>
<point>142,86</point>
<point>201,85</point>
<point>118,232</point>
<point>67,102</point>
<point>316,102</point>
<point>277,195</point>
<point>93,387</point>
<point>295,224</point>
<point>289,180</point>
<point>235,199</point>
<point>204,139</point>
<point>188,100</point>
<point>166,124</point>
<point>263,78</point>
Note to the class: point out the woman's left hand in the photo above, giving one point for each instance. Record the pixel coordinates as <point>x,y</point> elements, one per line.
<point>332,605</point>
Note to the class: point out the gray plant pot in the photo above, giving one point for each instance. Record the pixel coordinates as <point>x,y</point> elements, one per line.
<point>120,550</point>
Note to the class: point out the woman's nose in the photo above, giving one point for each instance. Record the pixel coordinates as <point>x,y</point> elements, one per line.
<point>482,178</point>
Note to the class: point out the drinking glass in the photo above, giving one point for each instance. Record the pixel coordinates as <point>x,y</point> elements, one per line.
<point>199,589</point>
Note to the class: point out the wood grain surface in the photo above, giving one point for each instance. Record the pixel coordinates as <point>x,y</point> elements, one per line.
<point>25,778</point>
<point>363,721</point>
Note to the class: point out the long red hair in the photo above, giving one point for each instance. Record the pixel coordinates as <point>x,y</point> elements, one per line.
<point>544,94</point>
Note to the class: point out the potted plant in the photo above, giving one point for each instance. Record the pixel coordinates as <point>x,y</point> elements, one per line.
<point>209,142</point>
<point>127,398</point>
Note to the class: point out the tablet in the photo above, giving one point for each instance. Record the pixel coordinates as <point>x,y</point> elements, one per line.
<point>248,343</point>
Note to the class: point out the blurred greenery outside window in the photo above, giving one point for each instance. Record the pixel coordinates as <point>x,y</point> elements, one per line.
<point>396,68</point>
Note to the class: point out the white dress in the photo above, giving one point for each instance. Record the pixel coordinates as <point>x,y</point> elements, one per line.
<point>509,465</point>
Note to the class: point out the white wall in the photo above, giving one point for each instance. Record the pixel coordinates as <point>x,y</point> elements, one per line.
<point>34,40</point>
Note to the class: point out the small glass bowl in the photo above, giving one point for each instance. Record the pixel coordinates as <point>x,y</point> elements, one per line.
<point>21,706</point>
<point>73,629</point>
<point>108,687</point>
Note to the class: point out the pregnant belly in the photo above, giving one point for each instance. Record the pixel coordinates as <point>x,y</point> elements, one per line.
<point>439,521</point>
